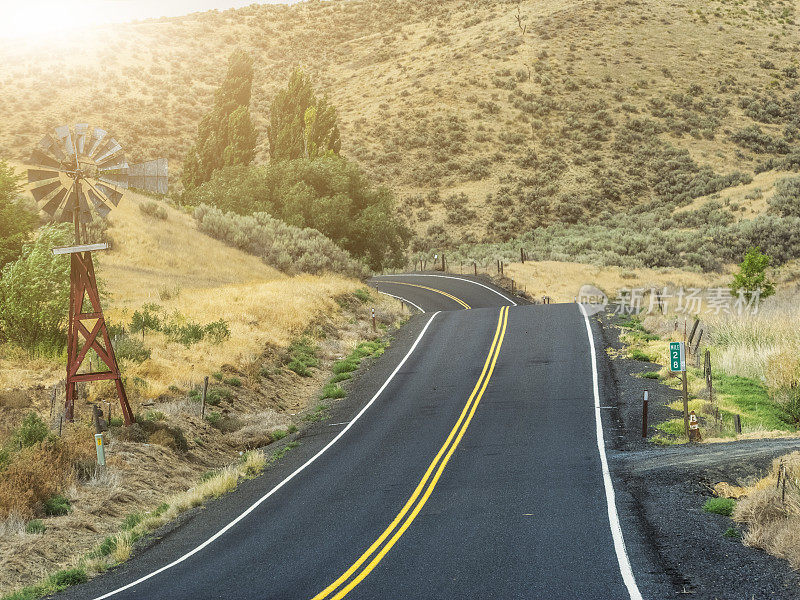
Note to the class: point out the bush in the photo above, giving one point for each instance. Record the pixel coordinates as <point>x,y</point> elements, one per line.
<point>786,200</point>
<point>32,431</point>
<point>233,381</point>
<point>17,220</point>
<point>56,506</point>
<point>34,293</point>
<point>329,195</point>
<point>302,355</point>
<point>154,209</point>
<point>130,348</point>
<point>287,248</point>
<point>363,295</point>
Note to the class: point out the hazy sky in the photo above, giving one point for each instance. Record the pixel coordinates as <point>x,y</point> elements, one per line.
<point>25,18</point>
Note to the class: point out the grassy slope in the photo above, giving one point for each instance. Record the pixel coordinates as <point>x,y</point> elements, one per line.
<point>427,89</point>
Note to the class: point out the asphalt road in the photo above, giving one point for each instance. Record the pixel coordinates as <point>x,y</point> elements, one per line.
<point>475,472</point>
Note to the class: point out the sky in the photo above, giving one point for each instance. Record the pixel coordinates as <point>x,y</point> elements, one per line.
<point>31,18</point>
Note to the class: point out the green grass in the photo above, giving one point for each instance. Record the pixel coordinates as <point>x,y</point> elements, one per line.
<point>318,414</point>
<point>233,382</point>
<point>104,548</point>
<point>363,295</point>
<point>217,376</point>
<point>279,454</point>
<point>720,506</point>
<point>132,520</point>
<point>752,401</point>
<point>278,434</point>
<point>57,582</point>
<point>57,506</point>
<point>35,526</point>
<point>732,532</point>
<point>673,427</point>
<point>332,390</point>
<point>636,354</point>
<point>302,356</point>
<point>651,375</point>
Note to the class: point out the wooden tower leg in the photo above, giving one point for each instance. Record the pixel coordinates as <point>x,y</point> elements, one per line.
<point>82,339</point>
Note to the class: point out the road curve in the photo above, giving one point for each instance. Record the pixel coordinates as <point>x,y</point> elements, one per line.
<point>465,463</point>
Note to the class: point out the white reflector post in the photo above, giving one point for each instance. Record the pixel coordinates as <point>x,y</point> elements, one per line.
<point>83,248</point>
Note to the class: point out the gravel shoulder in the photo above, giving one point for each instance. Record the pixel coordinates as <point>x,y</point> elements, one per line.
<point>664,489</point>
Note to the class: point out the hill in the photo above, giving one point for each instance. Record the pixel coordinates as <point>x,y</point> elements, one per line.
<point>537,111</point>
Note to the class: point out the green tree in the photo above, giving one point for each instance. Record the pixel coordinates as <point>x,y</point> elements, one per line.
<point>226,135</point>
<point>752,275</point>
<point>328,194</point>
<point>301,125</point>
<point>34,293</point>
<point>17,221</point>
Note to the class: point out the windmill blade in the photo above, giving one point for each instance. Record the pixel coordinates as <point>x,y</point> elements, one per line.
<point>53,207</point>
<point>120,163</point>
<point>112,148</point>
<point>80,136</point>
<point>35,175</point>
<point>111,194</point>
<point>41,192</point>
<point>49,147</point>
<point>98,135</point>
<point>64,136</point>
<point>40,159</point>
<point>100,205</point>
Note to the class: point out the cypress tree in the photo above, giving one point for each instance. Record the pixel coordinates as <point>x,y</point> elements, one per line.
<point>300,124</point>
<point>226,135</point>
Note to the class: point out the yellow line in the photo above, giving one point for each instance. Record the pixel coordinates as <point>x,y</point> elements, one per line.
<point>455,437</point>
<point>424,287</point>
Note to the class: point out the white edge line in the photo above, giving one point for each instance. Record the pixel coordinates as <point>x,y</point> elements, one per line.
<point>451,277</point>
<point>282,483</point>
<point>419,308</point>
<point>613,517</point>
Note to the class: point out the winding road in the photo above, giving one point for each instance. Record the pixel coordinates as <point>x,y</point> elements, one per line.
<point>468,462</point>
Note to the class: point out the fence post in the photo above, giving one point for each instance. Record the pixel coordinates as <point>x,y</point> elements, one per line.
<point>205,391</point>
<point>475,266</point>
<point>737,423</point>
<point>522,255</point>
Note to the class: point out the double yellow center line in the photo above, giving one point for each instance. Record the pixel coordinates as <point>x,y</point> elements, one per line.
<point>375,553</point>
<point>425,287</point>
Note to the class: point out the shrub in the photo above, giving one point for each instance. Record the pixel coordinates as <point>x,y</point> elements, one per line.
<point>329,195</point>
<point>32,431</point>
<point>17,220</point>
<point>56,506</point>
<point>154,209</point>
<point>752,276</point>
<point>34,293</point>
<point>130,348</point>
<point>218,331</point>
<point>786,200</point>
<point>233,381</point>
<point>287,248</point>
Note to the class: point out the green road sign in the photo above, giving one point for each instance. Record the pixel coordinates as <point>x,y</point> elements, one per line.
<point>677,356</point>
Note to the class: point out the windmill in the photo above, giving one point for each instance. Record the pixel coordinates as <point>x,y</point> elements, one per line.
<point>75,173</point>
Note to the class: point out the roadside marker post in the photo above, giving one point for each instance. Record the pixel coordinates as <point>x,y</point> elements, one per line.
<point>677,363</point>
<point>101,452</point>
<point>374,326</point>
<point>644,415</point>
<point>694,428</point>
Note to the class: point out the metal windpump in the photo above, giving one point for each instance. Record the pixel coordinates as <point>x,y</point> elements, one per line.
<point>76,174</point>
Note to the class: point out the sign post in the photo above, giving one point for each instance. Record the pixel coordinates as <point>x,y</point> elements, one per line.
<point>677,363</point>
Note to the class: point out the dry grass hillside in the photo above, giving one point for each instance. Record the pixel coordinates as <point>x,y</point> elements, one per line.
<point>267,377</point>
<point>583,109</point>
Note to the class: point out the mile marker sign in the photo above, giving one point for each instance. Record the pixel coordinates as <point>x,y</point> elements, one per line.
<point>677,357</point>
